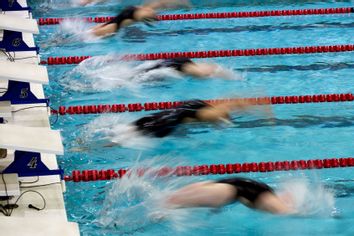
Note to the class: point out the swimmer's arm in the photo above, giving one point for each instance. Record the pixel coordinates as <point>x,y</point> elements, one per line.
<point>223,109</point>
<point>104,30</point>
<point>262,105</point>
<point>206,70</point>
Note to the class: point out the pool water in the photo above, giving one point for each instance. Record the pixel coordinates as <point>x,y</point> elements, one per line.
<point>302,131</point>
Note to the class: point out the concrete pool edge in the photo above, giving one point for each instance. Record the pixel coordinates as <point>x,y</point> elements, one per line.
<point>52,220</point>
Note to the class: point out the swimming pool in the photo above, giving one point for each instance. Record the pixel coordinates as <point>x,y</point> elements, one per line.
<point>302,131</point>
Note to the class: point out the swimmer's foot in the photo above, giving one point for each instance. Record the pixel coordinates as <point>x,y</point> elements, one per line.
<point>79,149</point>
<point>111,144</point>
<point>157,216</point>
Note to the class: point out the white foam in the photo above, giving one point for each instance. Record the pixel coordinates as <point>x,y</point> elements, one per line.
<point>111,130</point>
<point>105,73</point>
<point>79,29</point>
<point>227,73</point>
<point>308,199</point>
<point>48,5</point>
<point>136,200</point>
<point>71,31</point>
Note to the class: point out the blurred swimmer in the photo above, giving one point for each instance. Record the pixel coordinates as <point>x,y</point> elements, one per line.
<point>163,123</point>
<point>188,67</point>
<point>215,194</point>
<point>132,14</point>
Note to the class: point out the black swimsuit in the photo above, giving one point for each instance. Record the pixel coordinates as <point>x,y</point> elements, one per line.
<point>247,188</point>
<point>175,63</point>
<point>161,124</point>
<point>128,14</point>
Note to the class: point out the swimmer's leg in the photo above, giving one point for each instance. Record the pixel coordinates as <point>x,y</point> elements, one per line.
<point>223,109</point>
<point>104,29</point>
<point>205,194</point>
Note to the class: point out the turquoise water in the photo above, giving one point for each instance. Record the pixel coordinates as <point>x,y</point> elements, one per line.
<point>304,131</point>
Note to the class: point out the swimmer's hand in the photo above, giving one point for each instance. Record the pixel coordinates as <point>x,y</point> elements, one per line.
<point>226,74</point>
<point>225,123</point>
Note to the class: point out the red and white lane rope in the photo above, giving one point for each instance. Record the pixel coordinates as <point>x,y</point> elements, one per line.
<point>213,53</point>
<point>216,15</point>
<point>216,169</point>
<point>151,106</point>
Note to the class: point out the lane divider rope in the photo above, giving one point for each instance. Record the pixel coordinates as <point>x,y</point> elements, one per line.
<point>212,53</point>
<point>217,15</point>
<point>151,106</point>
<point>216,169</point>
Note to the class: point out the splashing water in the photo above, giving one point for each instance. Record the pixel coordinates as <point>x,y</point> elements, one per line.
<point>73,32</point>
<point>48,5</point>
<point>104,73</point>
<point>79,29</point>
<point>136,201</point>
<point>228,74</point>
<point>113,130</point>
<point>309,199</point>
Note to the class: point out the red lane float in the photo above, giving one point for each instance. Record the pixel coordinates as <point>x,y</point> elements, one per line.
<point>213,53</point>
<point>151,106</point>
<point>216,169</point>
<point>215,15</point>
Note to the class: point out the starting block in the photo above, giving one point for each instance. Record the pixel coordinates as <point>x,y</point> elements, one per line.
<point>31,139</point>
<point>13,23</point>
<point>20,93</point>
<point>12,5</point>
<point>13,27</point>
<point>5,110</point>
<point>12,185</point>
<point>28,164</point>
<point>23,72</point>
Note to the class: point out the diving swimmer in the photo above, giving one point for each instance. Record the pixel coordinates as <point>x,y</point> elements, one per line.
<point>187,66</point>
<point>215,194</point>
<point>132,14</point>
<point>163,123</point>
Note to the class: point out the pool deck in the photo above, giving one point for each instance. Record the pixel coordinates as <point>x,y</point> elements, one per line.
<point>52,220</point>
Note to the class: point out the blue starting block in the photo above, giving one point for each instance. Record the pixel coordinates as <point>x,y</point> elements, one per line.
<point>28,164</point>
<point>20,93</point>
<point>12,41</point>
<point>12,5</point>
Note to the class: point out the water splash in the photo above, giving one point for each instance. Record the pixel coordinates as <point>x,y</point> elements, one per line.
<point>309,199</point>
<point>79,30</point>
<point>47,5</point>
<point>136,201</point>
<point>105,73</point>
<point>228,74</point>
<point>114,130</point>
<point>71,32</point>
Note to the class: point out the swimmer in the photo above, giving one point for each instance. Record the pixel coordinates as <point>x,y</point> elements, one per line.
<point>215,194</point>
<point>132,14</point>
<point>188,67</point>
<point>162,123</point>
